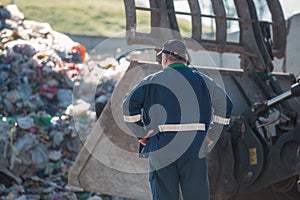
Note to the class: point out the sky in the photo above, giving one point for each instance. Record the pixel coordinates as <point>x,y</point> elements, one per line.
<point>290,7</point>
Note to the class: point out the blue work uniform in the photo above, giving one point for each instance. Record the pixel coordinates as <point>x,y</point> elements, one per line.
<point>180,105</point>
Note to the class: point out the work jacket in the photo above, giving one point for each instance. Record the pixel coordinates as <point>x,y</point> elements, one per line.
<point>180,105</point>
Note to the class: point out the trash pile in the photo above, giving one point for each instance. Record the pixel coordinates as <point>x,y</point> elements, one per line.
<point>38,139</point>
<point>48,105</point>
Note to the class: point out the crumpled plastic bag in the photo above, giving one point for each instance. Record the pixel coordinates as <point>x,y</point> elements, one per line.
<point>25,122</point>
<point>15,13</point>
<point>39,157</point>
<point>64,97</point>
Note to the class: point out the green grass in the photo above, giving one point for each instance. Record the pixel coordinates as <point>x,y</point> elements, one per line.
<point>88,17</point>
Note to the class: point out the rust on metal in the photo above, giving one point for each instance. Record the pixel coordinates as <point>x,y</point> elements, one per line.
<point>251,43</point>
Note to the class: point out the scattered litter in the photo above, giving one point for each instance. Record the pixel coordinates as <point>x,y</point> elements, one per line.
<point>38,141</point>
<point>43,91</point>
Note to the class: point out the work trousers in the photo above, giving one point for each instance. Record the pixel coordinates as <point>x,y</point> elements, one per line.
<point>190,174</point>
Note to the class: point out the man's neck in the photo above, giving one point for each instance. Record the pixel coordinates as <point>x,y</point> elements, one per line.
<point>173,62</point>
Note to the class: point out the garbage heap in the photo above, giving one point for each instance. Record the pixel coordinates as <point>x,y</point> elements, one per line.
<point>38,139</point>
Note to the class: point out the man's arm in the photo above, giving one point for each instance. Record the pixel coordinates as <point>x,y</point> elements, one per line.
<point>221,111</point>
<point>132,109</point>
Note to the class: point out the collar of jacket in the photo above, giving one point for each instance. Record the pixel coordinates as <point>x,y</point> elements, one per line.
<point>177,65</point>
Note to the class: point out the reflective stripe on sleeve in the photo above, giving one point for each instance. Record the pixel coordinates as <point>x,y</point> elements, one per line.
<point>182,127</point>
<point>133,118</point>
<point>220,120</point>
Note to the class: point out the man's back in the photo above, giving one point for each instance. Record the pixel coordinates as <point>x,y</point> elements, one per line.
<point>176,97</point>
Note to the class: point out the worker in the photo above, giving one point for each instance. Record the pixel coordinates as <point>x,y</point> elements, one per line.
<point>175,113</point>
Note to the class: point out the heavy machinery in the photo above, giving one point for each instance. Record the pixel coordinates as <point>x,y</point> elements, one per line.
<point>257,157</point>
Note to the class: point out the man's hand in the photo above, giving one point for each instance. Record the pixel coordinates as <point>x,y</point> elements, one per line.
<point>209,141</point>
<point>143,141</point>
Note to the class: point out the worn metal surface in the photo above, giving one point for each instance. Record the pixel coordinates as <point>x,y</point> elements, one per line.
<point>279,28</point>
<point>250,45</point>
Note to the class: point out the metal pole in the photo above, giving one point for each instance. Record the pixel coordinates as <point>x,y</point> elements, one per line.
<point>279,98</point>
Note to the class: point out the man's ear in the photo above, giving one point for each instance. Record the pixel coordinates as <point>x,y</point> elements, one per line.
<point>164,59</point>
